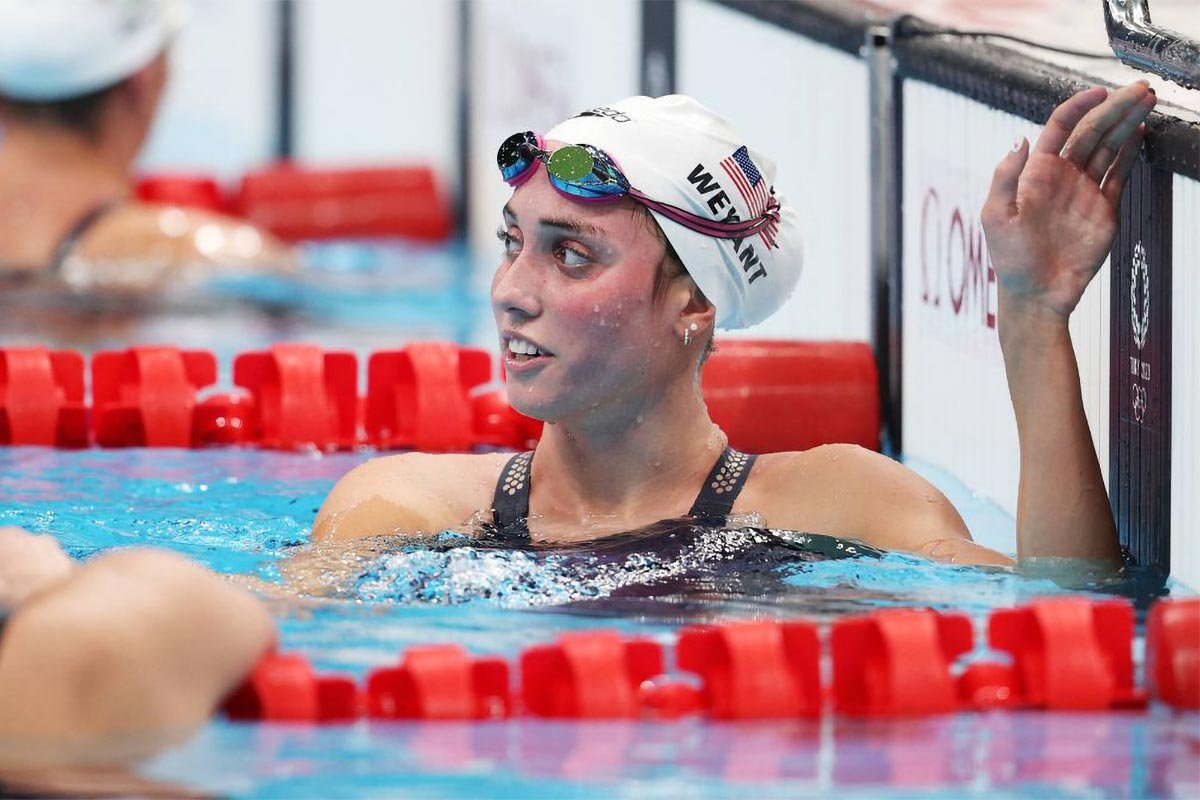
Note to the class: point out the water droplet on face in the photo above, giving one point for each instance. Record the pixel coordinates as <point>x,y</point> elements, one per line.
<point>596,308</point>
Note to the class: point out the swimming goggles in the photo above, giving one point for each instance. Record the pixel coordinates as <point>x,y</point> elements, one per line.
<point>587,173</point>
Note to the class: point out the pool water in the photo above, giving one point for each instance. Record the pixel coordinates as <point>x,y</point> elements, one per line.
<point>248,512</point>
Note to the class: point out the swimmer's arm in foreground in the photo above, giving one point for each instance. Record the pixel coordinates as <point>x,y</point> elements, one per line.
<point>114,659</point>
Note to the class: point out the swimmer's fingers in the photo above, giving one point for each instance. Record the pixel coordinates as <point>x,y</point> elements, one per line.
<point>1114,183</point>
<point>1101,121</point>
<point>1064,119</point>
<point>1001,203</point>
<point>1107,149</point>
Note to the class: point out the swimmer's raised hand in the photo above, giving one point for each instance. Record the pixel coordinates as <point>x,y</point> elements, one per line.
<point>1050,220</point>
<point>1051,214</point>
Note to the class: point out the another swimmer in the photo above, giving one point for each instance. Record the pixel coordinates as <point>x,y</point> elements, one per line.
<point>606,312</point>
<point>80,84</point>
<point>112,660</point>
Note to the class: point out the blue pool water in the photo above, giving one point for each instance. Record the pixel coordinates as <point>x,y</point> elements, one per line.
<point>247,514</point>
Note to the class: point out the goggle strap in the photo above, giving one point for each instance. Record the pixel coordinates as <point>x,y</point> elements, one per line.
<point>710,227</point>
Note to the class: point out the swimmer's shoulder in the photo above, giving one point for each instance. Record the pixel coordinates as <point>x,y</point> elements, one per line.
<point>166,238</point>
<point>853,493</point>
<point>410,493</point>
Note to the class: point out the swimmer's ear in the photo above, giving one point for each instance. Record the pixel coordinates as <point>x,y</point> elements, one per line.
<point>697,309</point>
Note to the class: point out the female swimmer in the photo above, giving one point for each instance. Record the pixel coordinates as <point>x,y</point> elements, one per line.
<point>622,256</point>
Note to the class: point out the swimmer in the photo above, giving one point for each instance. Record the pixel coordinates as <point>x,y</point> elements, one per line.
<point>80,85</point>
<point>109,661</point>
<point>606,313</point>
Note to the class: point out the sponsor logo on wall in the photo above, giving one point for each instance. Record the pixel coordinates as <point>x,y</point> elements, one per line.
<point>956,283</point>
<point>1140,369</point>
<point>1139,315</point>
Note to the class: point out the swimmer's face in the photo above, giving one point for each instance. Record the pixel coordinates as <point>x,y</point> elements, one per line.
<point>577,282</point>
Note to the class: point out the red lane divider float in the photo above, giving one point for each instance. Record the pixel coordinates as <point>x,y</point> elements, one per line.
<point>593,675</point>
<point>303,203</point>
<point>771,396</point>
<point>1069,653</point>
<point>188,190</point>
<point>897,662</point>
<point>417,398</point>
<point>1173,653</point>
<point>440,682</point>
<point>430,396</point>
<point>41,398</point>
<point>304,396</point>
<point>145,396</point>
<point>755,669</point>
<point>298,203</point>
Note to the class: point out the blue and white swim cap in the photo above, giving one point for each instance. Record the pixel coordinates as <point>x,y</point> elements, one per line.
<point>677,151</point>
<point>58,49</point>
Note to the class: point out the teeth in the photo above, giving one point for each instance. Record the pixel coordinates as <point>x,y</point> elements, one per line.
<point>523,348</point>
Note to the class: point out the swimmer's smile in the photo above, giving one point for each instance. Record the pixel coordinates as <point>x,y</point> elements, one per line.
<point>522,354</point>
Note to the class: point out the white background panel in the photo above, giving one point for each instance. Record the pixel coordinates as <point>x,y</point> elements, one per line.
<point>377,82</point>
<point>1185,384</point>
<point>804,105</point>
<point>535,63</point>
<point>218,113</point>
<point>957,411</point>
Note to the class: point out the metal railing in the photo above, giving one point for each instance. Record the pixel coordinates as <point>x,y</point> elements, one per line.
<point>1139,43</point>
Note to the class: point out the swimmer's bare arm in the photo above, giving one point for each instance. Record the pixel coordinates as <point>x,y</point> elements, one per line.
<point>1050,219</point>
<point>853,493</point>
<point>409,494</point>
<point>128,653</point>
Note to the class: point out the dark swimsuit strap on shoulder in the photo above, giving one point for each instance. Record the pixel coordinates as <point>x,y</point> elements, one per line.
<point>510,504</point>
<point>70,241</point>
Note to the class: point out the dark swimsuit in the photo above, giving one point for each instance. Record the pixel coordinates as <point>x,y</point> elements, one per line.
<point>510,505</point>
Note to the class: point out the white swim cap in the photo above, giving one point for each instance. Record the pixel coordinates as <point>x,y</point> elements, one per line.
<point>59,49</point>
<point>677,151</point>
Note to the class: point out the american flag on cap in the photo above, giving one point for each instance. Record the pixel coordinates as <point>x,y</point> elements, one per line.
<point>753,188</point>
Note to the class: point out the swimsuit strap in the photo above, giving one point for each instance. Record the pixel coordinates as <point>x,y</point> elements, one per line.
<point>77,231</point>
<point>722,487</point>
<point>5,613</point>
<point>510,504</point>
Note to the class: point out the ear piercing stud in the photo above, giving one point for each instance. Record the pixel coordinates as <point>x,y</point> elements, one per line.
<point>687,333</point>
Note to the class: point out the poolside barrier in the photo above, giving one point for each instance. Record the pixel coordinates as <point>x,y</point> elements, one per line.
<point>1068,654</point>
<point>429,396</point>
